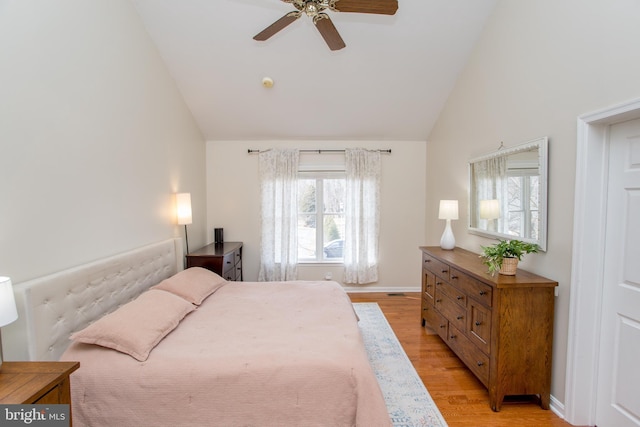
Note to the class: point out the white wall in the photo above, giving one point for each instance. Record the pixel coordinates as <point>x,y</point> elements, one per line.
<point>94,137</point>
<point>538,66</point>
<point>233,203</point>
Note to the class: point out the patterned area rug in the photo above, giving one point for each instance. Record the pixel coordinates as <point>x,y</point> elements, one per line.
<point>407,399</point>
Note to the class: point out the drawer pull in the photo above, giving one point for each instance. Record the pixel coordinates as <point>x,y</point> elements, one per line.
<point>438,283</point>
<point>460,317</point>
<point>445,271</point>
<point>427,260</point>
<point>443,326</point>
<point>438,300</point>
<point>483,293</point>
<point>459,297</point>
<point>480,363</point>
<point>478,323</point>
<point>453,337</point>
<point>454,277</point>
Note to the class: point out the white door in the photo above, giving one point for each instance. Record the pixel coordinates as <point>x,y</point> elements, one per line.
<point>618,401</point>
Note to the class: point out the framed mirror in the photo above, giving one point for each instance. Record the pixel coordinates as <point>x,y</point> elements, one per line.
<point>508,193</point>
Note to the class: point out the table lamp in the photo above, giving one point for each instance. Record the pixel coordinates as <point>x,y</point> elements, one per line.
<point>490,210</point>
<point>183,204</point>
<point>8,311</point>
<point>448,211</point>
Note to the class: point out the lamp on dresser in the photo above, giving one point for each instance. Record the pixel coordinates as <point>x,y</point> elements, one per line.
<point>8,311</point>
<point>183,205</point>
<point>448,211</point>
<point>490,211</point>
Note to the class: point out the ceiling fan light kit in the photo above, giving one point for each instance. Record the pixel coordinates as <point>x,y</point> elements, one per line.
<point>315,9</point>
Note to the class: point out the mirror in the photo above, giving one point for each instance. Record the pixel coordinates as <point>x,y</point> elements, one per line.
<point>508,193</point>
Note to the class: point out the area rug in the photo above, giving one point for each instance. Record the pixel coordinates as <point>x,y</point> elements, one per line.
<point>407,399</point>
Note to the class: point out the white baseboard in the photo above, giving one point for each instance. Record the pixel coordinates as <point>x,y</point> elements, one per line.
<point>557,407</point>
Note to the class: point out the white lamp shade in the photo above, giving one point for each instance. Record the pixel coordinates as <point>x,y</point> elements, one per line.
<point>183,204</point>
<point>8,311</point>
<point>489,209</point>
<point>448,209</point>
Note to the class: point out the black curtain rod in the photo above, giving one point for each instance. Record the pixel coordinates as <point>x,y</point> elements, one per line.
<point>319,151</point>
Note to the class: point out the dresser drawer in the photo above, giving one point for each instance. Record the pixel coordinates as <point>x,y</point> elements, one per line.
<point>450,310</point>
<point>475,359</point>
<point>437,322</point>
<point>439,268</point>
<point>60,394</point>
<point>454,293</point>
<point>479,325</point>
<point>237,256</point>
<point>481,292</point>
<point>232,265</point>
<point>229,262</point>
<point>428,285</point>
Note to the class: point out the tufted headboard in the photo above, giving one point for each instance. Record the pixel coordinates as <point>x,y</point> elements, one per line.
<point>53,307</point>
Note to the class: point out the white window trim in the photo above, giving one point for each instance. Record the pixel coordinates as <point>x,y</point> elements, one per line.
<point>320,172</point>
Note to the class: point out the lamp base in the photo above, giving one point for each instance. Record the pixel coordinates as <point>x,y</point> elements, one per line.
<point>1,355</point>
<point>448,241</point>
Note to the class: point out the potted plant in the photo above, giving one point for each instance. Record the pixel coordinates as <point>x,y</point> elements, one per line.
<point>503,257</point>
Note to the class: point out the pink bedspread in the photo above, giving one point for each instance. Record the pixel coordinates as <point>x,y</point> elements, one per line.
<point>253,354</point>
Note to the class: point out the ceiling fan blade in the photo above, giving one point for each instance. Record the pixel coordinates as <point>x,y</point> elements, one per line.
<point>381,7</point>
<point>277,26</point>
<point>328,31</point>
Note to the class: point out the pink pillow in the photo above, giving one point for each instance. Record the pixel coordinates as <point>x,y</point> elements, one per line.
<point>193,284</point>
<point>138,326</point>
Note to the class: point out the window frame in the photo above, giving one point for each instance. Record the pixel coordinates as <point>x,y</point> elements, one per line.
<point>320,176</point>
<point>524,175</point>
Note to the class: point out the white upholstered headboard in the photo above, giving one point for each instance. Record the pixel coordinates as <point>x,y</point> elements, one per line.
<point>53,307</point>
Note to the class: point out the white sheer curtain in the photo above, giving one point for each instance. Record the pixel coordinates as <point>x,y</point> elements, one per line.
<point>279,188</point>
<point>362,215</point>
<point>490,177</point>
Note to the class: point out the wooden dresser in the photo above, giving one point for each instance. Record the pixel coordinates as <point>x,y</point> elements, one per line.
<point>501,327</point>
<point>224,259</point>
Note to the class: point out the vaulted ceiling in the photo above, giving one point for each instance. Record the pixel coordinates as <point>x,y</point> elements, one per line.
<point>390,82</point>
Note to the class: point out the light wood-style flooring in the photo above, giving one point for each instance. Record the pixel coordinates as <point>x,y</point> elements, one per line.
<point>461,398</point>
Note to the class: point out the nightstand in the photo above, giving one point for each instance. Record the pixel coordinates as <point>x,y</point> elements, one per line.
<point>41,383</point>
<point>224,259</point>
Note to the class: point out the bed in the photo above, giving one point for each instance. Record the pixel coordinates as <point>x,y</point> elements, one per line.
<point>230,354</point>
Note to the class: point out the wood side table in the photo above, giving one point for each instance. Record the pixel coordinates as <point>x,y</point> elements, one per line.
<point>41,383</point>
<point>224,259</point>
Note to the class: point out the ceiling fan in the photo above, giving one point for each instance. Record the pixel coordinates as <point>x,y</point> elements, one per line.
<point>315,9</point>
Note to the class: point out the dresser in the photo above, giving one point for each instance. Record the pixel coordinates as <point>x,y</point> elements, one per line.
<point>224,259</point>
<point>501,327</point>
<point>41,383</point>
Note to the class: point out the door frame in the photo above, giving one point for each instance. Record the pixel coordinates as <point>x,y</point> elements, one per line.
<point>587,269</point>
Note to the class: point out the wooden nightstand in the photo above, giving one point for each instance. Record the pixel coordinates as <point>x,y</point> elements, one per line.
<point>42,383</point>
<point>224,259</point>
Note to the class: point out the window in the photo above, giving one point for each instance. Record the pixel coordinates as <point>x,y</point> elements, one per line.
<point>321,219</point>
<point>523,203</point>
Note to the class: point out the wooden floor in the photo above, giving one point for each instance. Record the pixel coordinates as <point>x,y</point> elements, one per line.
<point>461,398</point>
